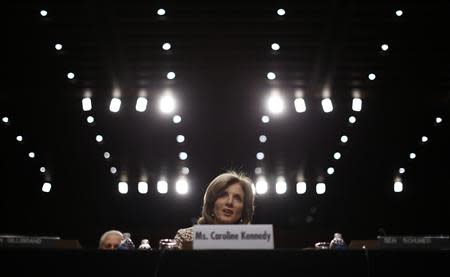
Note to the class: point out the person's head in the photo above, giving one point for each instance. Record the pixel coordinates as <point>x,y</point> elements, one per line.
<point>229,199</point>
<point>110,240</point>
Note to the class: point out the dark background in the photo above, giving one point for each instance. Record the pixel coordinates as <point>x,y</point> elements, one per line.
<point>221,54</point>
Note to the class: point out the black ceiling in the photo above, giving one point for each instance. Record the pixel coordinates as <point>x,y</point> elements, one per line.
<point>221,54</point>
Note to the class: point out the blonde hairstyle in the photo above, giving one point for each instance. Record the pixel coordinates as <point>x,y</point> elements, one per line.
<point>108,233</point>
<point>218,185</point>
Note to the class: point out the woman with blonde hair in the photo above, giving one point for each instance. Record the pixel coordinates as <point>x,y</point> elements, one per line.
<point>229,199</point>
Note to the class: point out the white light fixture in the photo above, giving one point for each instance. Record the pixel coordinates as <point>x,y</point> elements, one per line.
<point>183,156</point>
<point>301,188</point>
<point>90,119</point>
<point>258,170</point>
<point>113,170</point>
<point>114,105</point>
<point>123,187</point>
<point>275,104</point>
<point>330,171</point>
<point>261,186</point>
<point>262,138</point>
<point>398,186</point>
<point>180,138</point>
<point>352,119</point>
<point>281,186</point>
<point>271,76</point>
<point>275,46</point>
<point>182,186</point>
<point>19,138</point>
<point>260,156</point>
<point>265,119</point>
<point>46,187</point>
<point>344,139</point>
<point>143,187</point>
<point>58,46</point>
<point>166,46</point>
<point>42,169</point>
<point>171,75</point>
<point>372,76</point>
<point>167,104</point>
<point>86,104</point>
<point>5,119</point>
<point>161,12</point>
<point>321,188</point>
<point>424,139</point>
<point>357,104</point>
<point>412,156</point>
<point>401,170</point>
<point>70,75</point>
<point>162,186</point>
<point>99,138</point>
<point>384,47</point>
<point>399,12</point>
<point>438,120</point>
<point>31,155</point>
<point>185,170</point>
<point>281,12</point>
<point>327,105</point>
<point>44,13</point>
<point>141,104</point>
<point>106,155</point>
<point>337,156</point>
<point>176,119</point>
<point>300,105</point>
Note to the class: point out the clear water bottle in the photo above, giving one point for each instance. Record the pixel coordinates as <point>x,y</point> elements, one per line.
<point>127,243</point>
<point>145,245</point>
<point>338,242</point>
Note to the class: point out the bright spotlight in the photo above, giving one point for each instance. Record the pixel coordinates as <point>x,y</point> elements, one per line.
<point>106,155</point>
<point>143,187</point>
<point>424,139</point>
<point>19,138</point>
<point>352,119</point>
<point>281,186</point>
<point>5,119</point>
<point>87,104</point>
<point>167,104</point>
<point>166,46</point>
<point>261,186</point>
<point>260,156</point>
<point>31,155</point>
<point>412,156</point>
<point>99,138</point>
<point>327,105</point>
<point>180,138</point>
<point>398,186</point>
<point>90,119</point>
<point>344,139</point>
<point>46,187</point>
<point>275,46</point>
<point>337,156</point>
<point>114,105</point>
<point>271,76</point>
<point>44,13</point>
<point>357,104</point>
<point>70,75</point>
<point>113,170</point>
<point>183,156</point>
<point>141,104</point>
<point>401,170</point>
<point>281,12</point>
<point>321,188</point>
<point>42,169</point>
<point>384,47</point>
<point>161,12</point>
<point>300,105</point>
<point>171,75</point>
<point>185,170</point>
<point>399,12</point>
<point>162,186</point>
<point>123,187</point>
<point>58,46</point>
<point>438,120</point>
<point>330,171</point>
<point>262,138</point>
<point>265,119</point>
<point>275,104</point>
<point>181,186</point>
<point>372,76</point>
<point>301,188</point>
<point>258,170</point>
<point>176,119</point>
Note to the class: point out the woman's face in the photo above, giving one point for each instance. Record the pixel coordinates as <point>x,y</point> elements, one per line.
<point>229,205</point>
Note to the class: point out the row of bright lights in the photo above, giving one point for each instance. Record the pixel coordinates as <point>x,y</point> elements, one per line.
<point>181,186</point>
<point>170,75</point>
<point>275,104</point>
<point>398,185</point>
<point>167,105</point>
<point>272,76</point>
<point>262,186</point>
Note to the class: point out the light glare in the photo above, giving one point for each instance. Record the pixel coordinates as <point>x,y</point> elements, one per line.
<point>143,187</point>
<point>141,104</point>
<point>320,188</point>
<point>114,106</point>
<point>301,188</point>
<point>261,186</point>
<point>260,156</point>
<point>300,105</point>
<point>182,186</point>
<point>87,104</point>
<point>123,187</point>
<point>166,46</point>
<point>162,186</point>
<point>46,187</point>
<point>167,104</point>
<point>357,104</point>
<point>275,104</point>
<point>161,12</point>
<point>171,75</point>
<point>398,186</point>
<point>275,46</point>
<point>372,76</point>
<point>271,76</point>
<point>327,105</point>
<point>281,12</point>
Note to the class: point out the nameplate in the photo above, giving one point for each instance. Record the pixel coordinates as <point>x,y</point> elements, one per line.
<point>434,242</point>
<point>237,236</point>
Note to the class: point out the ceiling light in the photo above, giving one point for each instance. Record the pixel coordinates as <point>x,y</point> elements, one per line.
<point>106,155</point>
<point>372,76</point>
<point>19,138</point>
<point>275,46</point>
<point>44,12</point>
<point>330,171</point>
<point>171,75</point>
<point>300,105</point>
<point>265,119</point>
<point>327,105</point>
<point>337,156</point>
<point>281,12</point>
<point>167,104</point>
<point>183,156</point>
<point>31,155</point>
<point>176,119</point>
<point>356,104</point>
<point>321,188</point>
<point>90,119</point>
<point>70,75</point>
<point>99,138</point>
<point>262,138</point>
<point>281,186</point>
<point>114,106</point>
<point>5,119</point>
<point>261,186</point>
<point>162,186</point>
<point>275,104</point>
<point>384,47</point>
<point>113,170</point>
<point>141,104</point>
<point>161,12</point>
<point>42,169</point>
<point>424,139</point>
<point>86,104</point>
<point>46,187</point>
<point>271,76</point>
<point>143,187</point>
<point>166,46</point>
<point>412,156</point>
<point>123,187</point>
<point>398,186</point>
<point>180,138</point>
<point>301,187</point>
<point>344,139</point>
<point>181,186</point>
<point>58,46</point>
<point>352,119</point>
<point>260,156</point>
<point>399,12</point>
